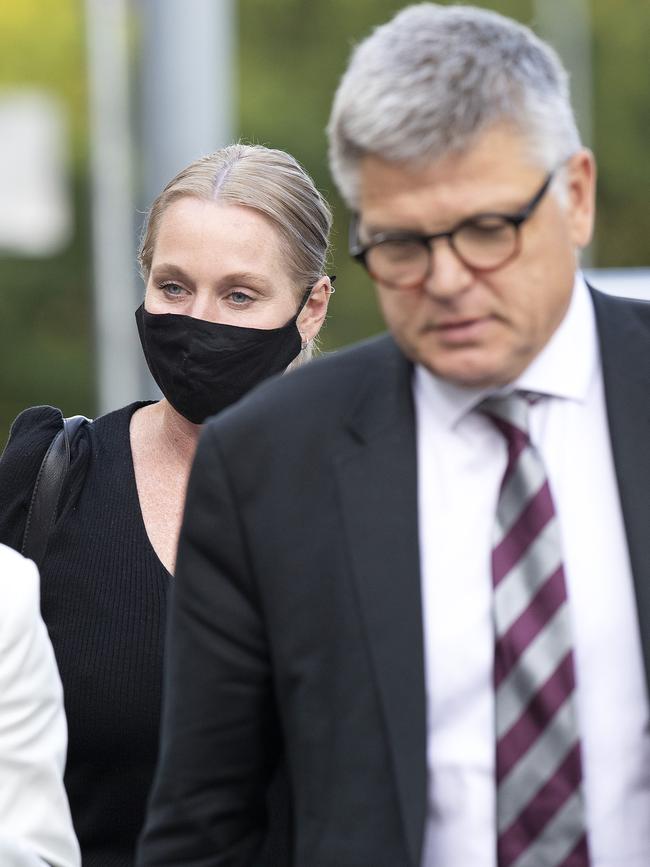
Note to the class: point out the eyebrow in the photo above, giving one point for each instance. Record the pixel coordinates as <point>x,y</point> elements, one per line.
<point>400,231</point>
<point>497,211</point>
<point>169,270</point>
<point>256,281</point>
<point>259,281</point>
<point>392,230</point>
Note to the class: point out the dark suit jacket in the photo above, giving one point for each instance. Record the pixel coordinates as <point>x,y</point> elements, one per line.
<point>296,620</point>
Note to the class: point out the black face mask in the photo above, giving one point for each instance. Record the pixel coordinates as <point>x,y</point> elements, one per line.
<point>202,367</point>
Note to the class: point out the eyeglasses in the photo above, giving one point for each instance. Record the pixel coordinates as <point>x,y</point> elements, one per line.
<point>485,242</point>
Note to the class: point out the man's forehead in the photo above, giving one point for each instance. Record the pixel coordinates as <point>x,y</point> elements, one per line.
<point>429,196</point>
<point>491,152</point>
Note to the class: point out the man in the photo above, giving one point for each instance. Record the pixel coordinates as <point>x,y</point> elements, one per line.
<point>419,571</point>
<point>35,824</point>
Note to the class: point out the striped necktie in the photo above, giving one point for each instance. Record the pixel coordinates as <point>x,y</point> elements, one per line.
<point>540,799</point>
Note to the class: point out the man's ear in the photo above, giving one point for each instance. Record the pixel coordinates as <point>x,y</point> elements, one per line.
<point>581,189</point>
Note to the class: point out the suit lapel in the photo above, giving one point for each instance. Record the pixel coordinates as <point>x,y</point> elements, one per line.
<point>377,477</point>
<point>624,331</point>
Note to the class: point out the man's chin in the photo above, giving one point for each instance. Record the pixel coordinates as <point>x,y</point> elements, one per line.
<point>470,371</point>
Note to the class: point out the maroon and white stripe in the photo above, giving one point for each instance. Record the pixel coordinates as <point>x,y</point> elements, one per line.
<point>540,802</point>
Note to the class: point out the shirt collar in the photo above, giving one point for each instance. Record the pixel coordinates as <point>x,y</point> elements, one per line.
<point>564,367</point>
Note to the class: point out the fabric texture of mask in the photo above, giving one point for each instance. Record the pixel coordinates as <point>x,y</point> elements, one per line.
<point>202,367</point>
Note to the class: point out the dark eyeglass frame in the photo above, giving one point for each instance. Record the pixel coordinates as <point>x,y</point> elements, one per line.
<point>359,251</point>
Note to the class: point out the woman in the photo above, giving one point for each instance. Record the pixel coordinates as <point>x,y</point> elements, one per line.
<point>233,257</point>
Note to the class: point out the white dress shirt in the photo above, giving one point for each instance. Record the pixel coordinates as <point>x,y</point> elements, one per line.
<point>461,460</point>
<point>35,823</point>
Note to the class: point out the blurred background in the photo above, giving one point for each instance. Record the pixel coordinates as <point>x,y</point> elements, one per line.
<point>102,101</point>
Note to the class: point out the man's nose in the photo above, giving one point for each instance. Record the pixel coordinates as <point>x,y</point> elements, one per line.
<point>448,275</point>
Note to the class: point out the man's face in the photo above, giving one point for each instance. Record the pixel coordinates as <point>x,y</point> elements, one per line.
<point>472,327</point>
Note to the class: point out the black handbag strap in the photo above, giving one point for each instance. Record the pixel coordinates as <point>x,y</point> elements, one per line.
<point>44,503</point>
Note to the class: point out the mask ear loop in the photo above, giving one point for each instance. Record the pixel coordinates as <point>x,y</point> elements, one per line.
<point>303,301</point>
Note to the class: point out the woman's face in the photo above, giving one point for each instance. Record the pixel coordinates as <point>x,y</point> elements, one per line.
<point>224,263</point>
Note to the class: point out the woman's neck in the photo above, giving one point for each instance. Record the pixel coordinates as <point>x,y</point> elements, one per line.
<point>177,436</point>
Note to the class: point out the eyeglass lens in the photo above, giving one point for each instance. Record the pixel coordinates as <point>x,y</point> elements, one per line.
<point>480,244</point>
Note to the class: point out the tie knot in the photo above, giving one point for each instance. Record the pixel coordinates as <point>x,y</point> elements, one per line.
<point>510,414</point>
<point>510,408</point>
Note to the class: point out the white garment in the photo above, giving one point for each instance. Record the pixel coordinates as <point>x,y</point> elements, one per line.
<point>35,823</point>
<point>461,459</point>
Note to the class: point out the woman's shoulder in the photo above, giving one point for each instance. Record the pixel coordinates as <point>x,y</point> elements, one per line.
<point>33,425</point>
<point>111,431</point>
<point>29,438</point>
<point>119,417</point>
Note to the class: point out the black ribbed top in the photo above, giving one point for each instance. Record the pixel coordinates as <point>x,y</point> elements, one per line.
<point>103,592</point>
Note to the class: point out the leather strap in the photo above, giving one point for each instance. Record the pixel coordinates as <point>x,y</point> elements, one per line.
<point>44,503</point>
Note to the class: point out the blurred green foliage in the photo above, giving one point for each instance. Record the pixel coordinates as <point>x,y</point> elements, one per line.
<point>46,323</point>
<point>621,46</point>
<point>290,56</point>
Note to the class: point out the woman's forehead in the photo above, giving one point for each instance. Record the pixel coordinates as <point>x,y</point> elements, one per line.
<point>213,241</point>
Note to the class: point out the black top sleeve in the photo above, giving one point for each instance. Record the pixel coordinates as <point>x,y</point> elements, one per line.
<point>30,436</point>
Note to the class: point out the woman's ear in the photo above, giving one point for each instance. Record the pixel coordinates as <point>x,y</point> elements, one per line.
<point>314,312</point>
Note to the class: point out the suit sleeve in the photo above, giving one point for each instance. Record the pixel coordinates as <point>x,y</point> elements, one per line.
<point>35,823</point>
<point>219,739</point>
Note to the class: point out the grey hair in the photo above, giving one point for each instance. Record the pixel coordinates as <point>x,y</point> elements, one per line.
<point>274,184</point>
<point>428,82</point>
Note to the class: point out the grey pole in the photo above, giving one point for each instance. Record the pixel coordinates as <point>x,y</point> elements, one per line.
<point>187,83</point>
<point>187,86</point>
<point>566,24</point>
<point>117,351</point>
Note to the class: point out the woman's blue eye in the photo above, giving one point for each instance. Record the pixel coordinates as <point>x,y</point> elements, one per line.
<point>239,297</point>
<point>172,289</point>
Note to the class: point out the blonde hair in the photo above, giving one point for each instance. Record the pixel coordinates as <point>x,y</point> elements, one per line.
<point>268,180</point>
